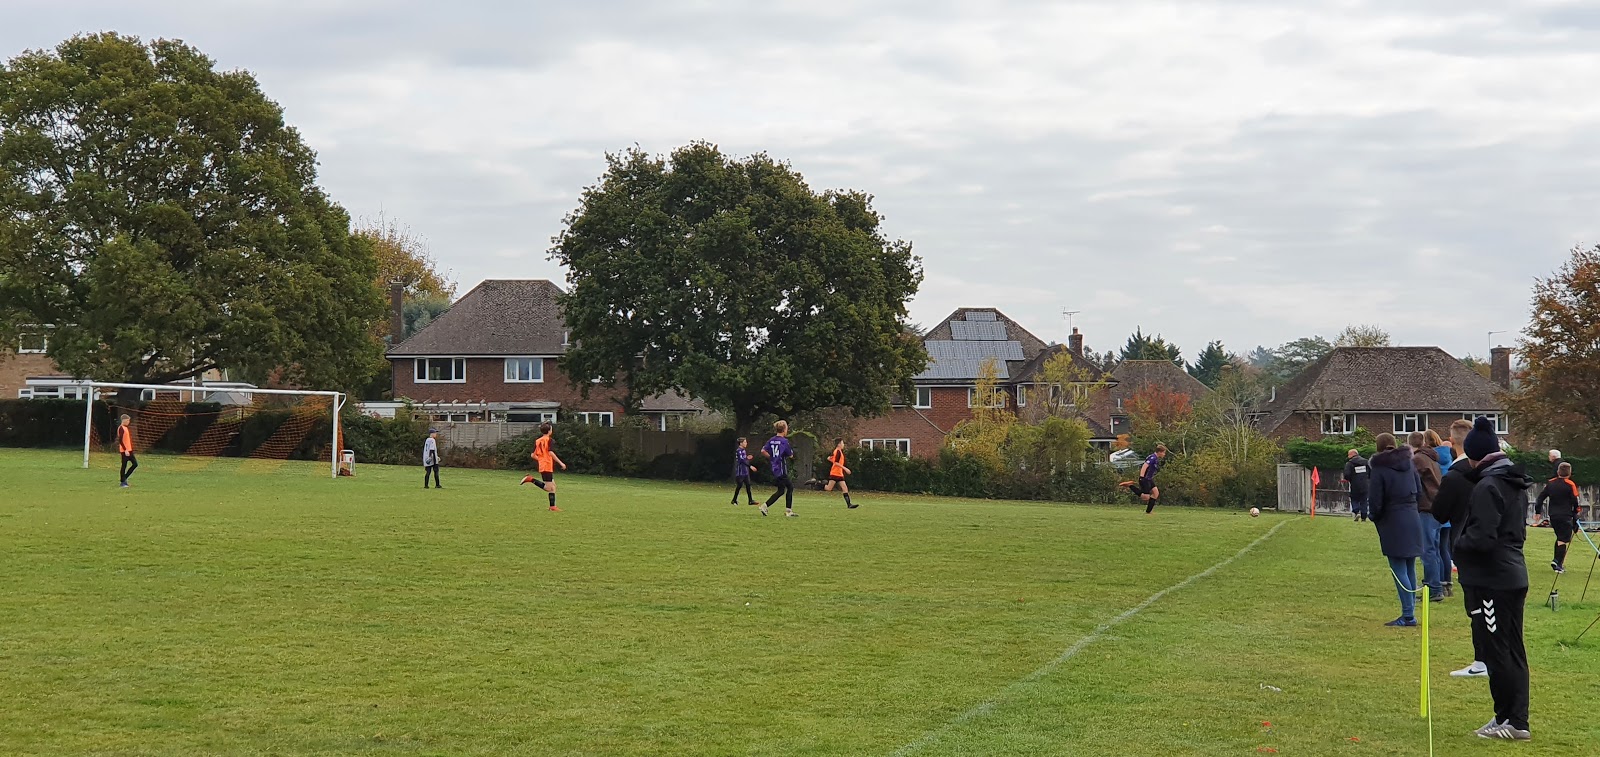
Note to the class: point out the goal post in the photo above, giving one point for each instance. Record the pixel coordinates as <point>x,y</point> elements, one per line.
<point>336,403</point>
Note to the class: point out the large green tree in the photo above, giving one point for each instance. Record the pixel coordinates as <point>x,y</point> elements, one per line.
<point>1142,347</point>
<point>732,281</point>
<point>1558,400</point>
<point>1209,365</point>
<point>161,220</point>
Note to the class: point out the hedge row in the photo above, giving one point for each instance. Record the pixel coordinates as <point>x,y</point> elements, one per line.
<point>1331,456</point>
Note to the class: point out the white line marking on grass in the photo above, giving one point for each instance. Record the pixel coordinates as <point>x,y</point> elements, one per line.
<point>984,707</point>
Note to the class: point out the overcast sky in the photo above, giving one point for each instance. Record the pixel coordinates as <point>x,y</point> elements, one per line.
<point>1246,170</point>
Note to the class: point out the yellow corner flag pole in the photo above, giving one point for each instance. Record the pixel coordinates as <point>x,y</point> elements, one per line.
<point>1424,599</point>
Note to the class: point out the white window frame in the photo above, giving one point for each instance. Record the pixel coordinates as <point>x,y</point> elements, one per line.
<point>44,343</point>
<point>921,404</point>
<point>903,446</point>
<point>1347,421</point>
<point>1000,396</point>
<point>590,418</point>
<point>1419,421</point>
<point>566,338</point>
<point>514,364</point>
<point>1022,395</point>
<point>540,416</point>
<point>419,371</point>
<point>449,417</point>
<point>1502,421</point>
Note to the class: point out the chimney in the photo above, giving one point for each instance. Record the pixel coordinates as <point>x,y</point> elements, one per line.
<point>397,314</point>
<point>1500,366</point>
<point>1075,342</point>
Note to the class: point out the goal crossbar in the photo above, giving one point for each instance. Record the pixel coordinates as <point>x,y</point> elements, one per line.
<point>338,402</point>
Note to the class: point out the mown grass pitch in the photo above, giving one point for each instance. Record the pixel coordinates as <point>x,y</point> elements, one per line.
<point>223,608</point>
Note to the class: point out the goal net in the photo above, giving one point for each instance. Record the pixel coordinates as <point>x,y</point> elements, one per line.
<point>202,423</point>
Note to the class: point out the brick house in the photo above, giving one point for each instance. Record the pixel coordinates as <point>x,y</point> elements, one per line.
<point>1384,389</point>
<point>493,357</point>
<point>945,392</point>
<point>26,372</point>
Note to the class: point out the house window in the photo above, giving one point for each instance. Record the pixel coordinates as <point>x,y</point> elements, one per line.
<point>33,343</point>
<point>924,397</point>
<point>524,370</point>
<point>903,446</point>
<point>997,399</point>
<point>1405,423</point>
<point>1502,422</point>
<point>529,416</point>
<point>449,417</point>
<point>594,419</point>
<point>1338,424</point>
<point>441,370</point>
<point>566,339</point>
<point>1022,395</point>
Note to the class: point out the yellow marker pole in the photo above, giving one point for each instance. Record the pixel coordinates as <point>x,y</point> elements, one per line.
<point>1423,597</point>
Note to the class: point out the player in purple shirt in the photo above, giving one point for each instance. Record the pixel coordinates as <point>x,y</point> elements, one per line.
<point>780,452</point>
<point>743,466</point>
<point>1148,491</point>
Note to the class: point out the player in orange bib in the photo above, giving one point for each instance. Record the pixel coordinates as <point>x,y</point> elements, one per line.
<point>837,473</point>
<point>547,459</point>
<point>130,462</point>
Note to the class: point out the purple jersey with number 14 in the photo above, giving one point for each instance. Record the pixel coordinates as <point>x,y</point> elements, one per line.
<point>779,450</point>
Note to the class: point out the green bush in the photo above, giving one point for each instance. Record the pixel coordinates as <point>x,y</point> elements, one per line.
<point>1325,455</point>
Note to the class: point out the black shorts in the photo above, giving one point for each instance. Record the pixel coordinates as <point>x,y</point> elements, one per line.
<point>1146,486</point>
<point>547,476</point>
<point>832,477</point>
<point>1564,527</point>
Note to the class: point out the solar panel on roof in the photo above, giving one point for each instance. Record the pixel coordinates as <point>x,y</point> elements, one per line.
<point>980,315</point>
<point>970,331</point>
<point>961,369</point>
<point>942,349</point>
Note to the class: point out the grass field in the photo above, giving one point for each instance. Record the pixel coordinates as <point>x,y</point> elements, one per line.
<point>233,608</point>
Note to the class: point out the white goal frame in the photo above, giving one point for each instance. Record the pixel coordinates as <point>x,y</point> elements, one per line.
<point>339,401</point>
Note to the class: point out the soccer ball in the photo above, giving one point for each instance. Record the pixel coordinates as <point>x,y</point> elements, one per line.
<point>1255,512</point>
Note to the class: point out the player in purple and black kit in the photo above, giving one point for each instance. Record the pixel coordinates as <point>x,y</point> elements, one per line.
<point>780,452</point>
<point>743,466</point>
<point>1147,478</point>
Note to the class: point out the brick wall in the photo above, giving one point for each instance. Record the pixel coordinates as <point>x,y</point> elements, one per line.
<point>16,368</point>
<point>926,428</point>
<point>486,382</point>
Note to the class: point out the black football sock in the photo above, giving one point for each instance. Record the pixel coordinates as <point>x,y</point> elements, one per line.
<point>847,498</point>
<point>1561,554</point>
<point>552,499</point>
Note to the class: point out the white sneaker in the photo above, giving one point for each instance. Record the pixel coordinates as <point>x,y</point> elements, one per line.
<point>1488,726</point>
<point>1475,670</point>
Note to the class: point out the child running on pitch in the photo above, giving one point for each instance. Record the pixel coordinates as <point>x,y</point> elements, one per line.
<point>838,472</point>
<point>1562,494</point>
<point>430,458</point>
<point>743,466</point>
<point>546,457</point>
<point>1148,491</point>
<point>780,452</point>
<point>130,461</point>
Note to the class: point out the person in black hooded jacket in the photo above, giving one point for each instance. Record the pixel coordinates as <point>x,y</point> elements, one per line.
<point>1450,507</point>
<point>1392,506</point>
<point>1494,577</point>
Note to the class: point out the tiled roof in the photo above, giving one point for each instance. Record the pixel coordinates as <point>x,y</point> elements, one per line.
<point>671,401</point>
<point>498,317</point>
<point>1383,379</point>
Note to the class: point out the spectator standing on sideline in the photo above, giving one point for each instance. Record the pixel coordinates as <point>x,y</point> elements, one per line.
<point>1494,578</point>
<point>1450,507</point>
<point>1541,517</point>
<point>1429,478</point>
<point>1356,475</point>
<point>1392,506</point>
<point>1447,457</point>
